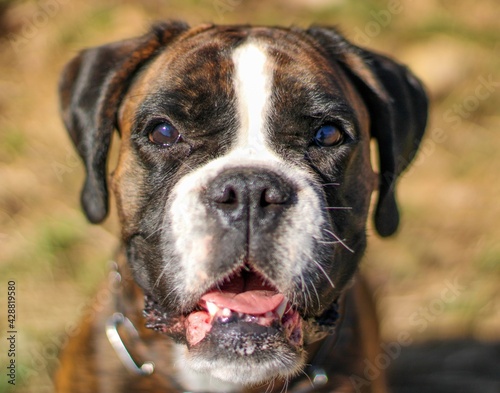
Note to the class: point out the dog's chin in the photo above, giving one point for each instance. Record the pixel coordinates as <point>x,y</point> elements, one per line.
<point>246,353</point>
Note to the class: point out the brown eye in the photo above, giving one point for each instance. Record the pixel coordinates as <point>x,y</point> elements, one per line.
<point>164,134</point>
<point>328,135</point>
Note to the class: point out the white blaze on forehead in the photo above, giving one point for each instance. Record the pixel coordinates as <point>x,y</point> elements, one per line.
<point>252,83</point>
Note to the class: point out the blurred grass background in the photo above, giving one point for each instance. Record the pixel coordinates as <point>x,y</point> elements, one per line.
<point>449,200</point>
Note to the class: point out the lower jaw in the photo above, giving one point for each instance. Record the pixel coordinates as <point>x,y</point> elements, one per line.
<point>238,352</point>
<point>245,354</point>
<point>288,329</point>
<point>309,332</point>
<point>245,338</point>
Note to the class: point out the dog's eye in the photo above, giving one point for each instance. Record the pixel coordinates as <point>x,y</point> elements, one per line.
<point>164,134</point>
<point>328,135</point>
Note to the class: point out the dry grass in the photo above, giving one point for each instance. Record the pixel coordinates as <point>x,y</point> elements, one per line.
<point>449,200</point>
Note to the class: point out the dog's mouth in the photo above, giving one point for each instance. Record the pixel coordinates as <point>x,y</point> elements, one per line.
<point>244,302</point>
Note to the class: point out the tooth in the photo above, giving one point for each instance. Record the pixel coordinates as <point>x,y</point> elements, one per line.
<point>226,312</point>
<point>280,310</point>
<point>212,308</point>
<point>250,318</point>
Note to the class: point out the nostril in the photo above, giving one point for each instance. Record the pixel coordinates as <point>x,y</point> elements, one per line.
<point>231,197</point>
<point>264,201</point>
<point>227,197</point>
<point>273,196</point>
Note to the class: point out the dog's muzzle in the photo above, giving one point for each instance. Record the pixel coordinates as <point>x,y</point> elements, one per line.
<point>245,313</point>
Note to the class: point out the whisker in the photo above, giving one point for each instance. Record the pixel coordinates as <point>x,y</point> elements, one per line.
<point>330,184</point>
<point>308,378</point>
<point>293,301</point>
<point>270,386</point>
<point>165,298</point>
<point>339,240</point>
<point>184,163</point>
<point>338,208</point>
<point>285,386</point>
<point>158,279</point>
<point>317,295</point>
<point>304,289</point>
<point>154,233</point>
<point>324,272</point>
<point>309,294</point>
<point>163,272</point>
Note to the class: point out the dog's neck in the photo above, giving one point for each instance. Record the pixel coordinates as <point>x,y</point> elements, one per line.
<point>168,358</point>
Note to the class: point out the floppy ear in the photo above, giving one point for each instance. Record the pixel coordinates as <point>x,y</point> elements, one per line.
<point>91,88</point>
<point>398,106</point>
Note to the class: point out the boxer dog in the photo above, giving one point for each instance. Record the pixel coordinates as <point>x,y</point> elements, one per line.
<point>243,187</point>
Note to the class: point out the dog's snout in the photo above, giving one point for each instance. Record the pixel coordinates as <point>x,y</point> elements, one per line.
<point>243,194</point>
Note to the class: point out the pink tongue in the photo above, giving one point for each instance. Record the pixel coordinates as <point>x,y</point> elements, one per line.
<point>250,302</point>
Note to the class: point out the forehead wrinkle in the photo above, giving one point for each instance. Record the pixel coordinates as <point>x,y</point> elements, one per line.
<point>297,56</point>
<point>304,75</point>
<point>176,82</point>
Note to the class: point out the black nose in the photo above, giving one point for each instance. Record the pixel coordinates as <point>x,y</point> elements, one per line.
<point>250,196</point>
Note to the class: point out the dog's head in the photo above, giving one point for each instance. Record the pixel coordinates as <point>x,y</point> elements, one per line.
<point>244,178</point>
